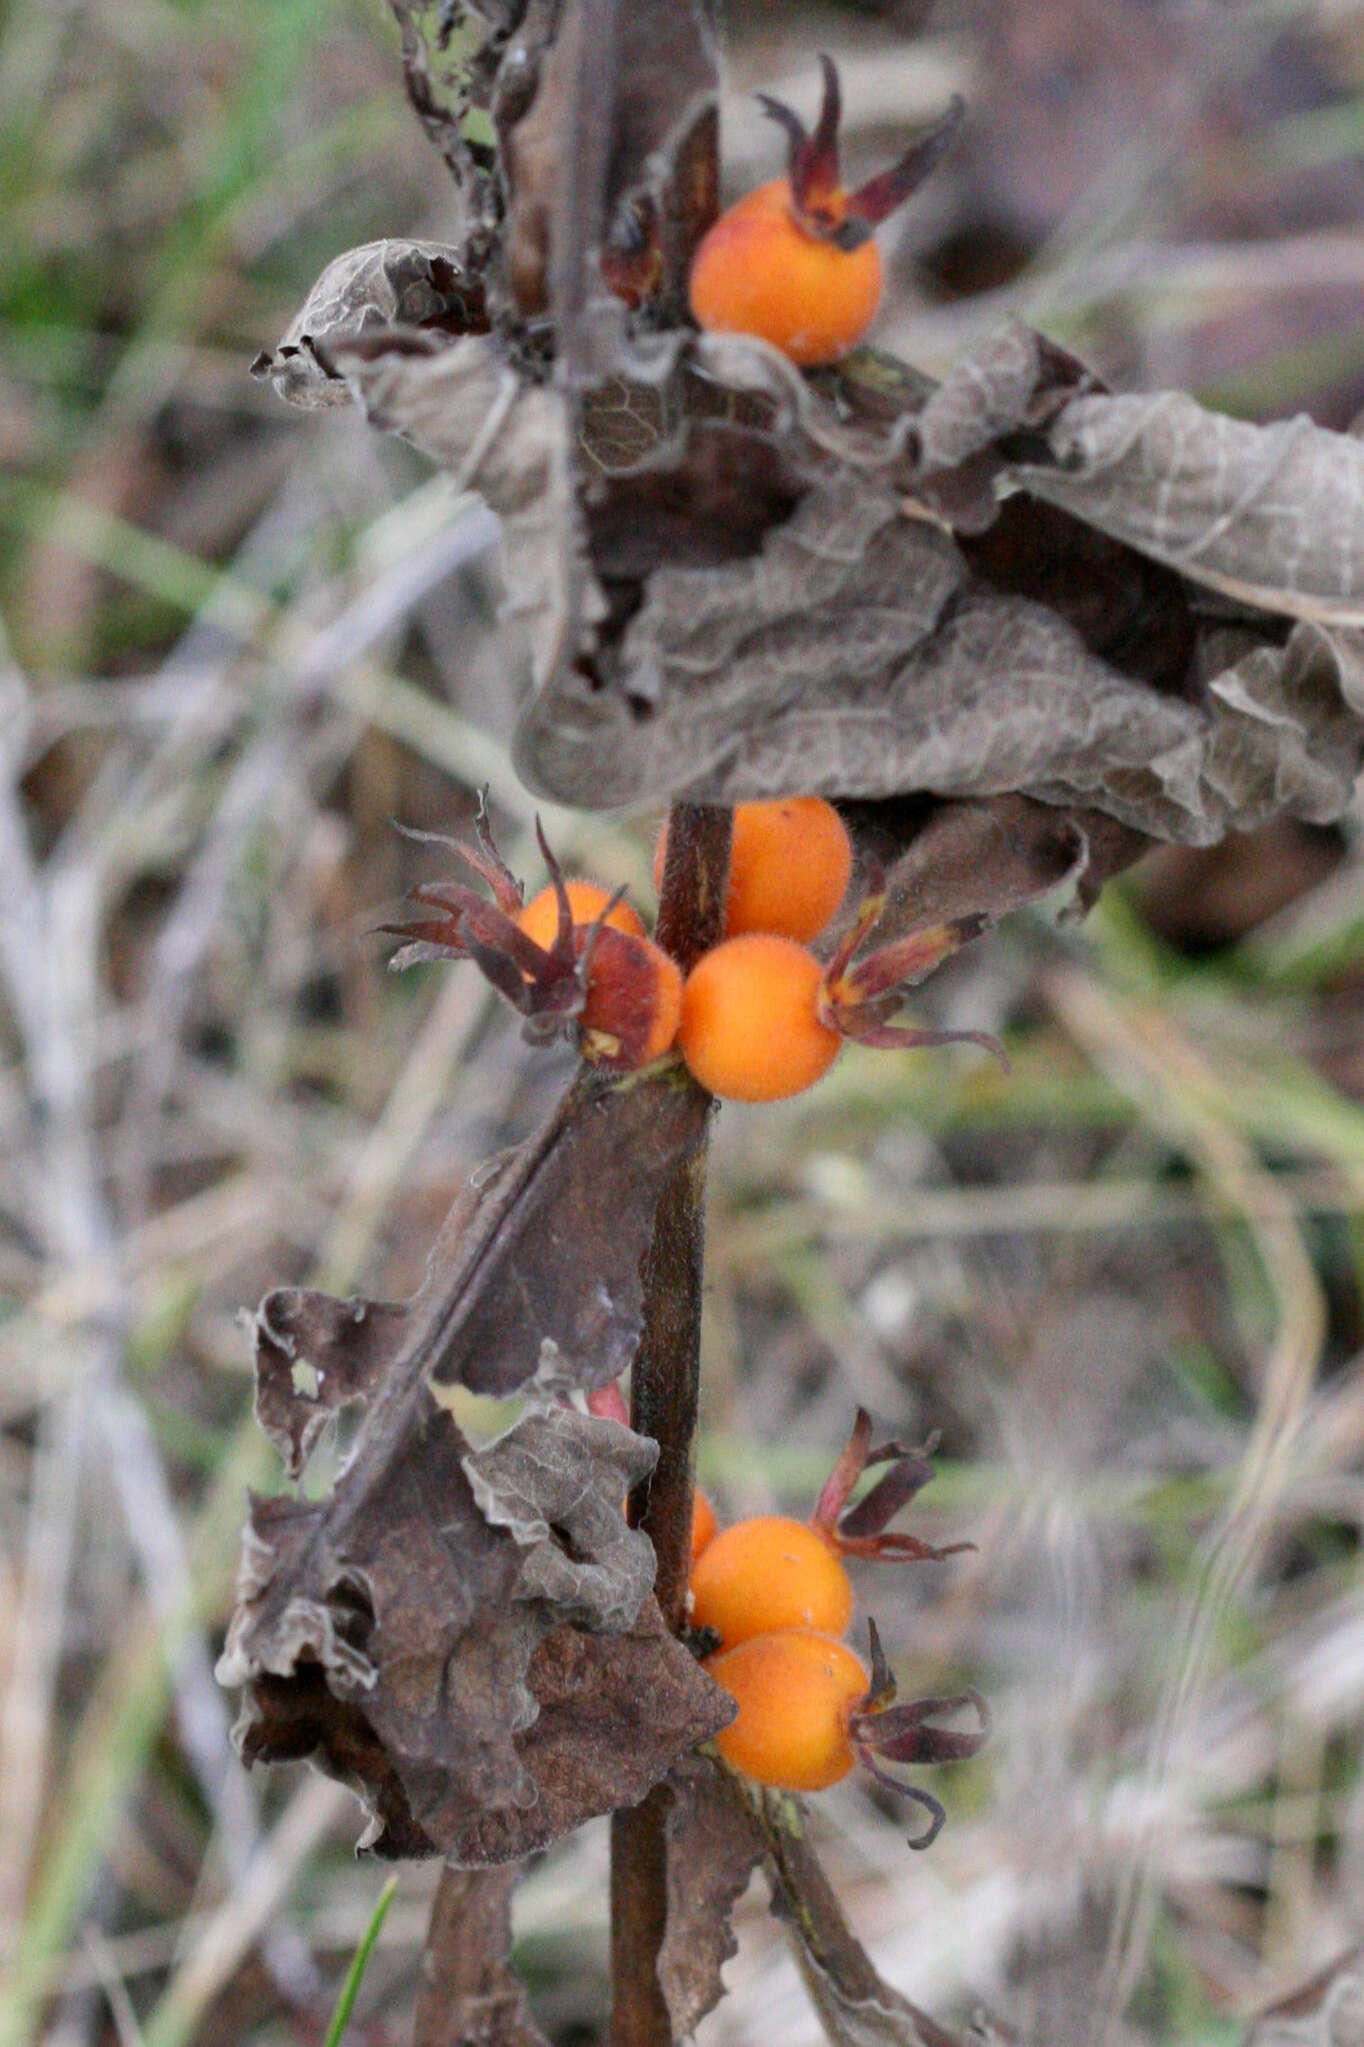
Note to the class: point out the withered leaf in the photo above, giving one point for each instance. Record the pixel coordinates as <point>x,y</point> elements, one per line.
<point>467,1995</point>
<point>994,408</point>
<point>453,67</point>
<point>713,1847</point>
<point>558,1493</point>
<point>1269,515</point>
<point>414,1629</point>
<point>314,1356</point>
<point>1266,514</point>
<point>376,1629</point>
<point>856,654</point>
<point>859,650</point>
<point>616,1712</point>
<point>989,857</point>
<point>755,589</point>
<point>534,1278</point>
<point>423,1652</point>
<point>422,285</point>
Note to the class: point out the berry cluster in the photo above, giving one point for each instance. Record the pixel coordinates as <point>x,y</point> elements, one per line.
<point>775,1594</point>
<point>759,1017</point>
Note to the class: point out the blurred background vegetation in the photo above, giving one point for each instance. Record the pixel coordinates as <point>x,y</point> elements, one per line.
<point>1125,1284</point>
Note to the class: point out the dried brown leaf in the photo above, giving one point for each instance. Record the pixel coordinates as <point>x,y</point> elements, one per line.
<point>616,1712</point>
<point>315,1356</point>
<point>533,1280</point>
<point>990,857</point>
<point>436,1658</point>
<point>1265,514</point>
<point>713,1849</point>
<point>557,1491</point>
<point>856,653</point>
<point>467,1995</point>
<point>1268,515</point>
<point>858,649</point>
<point>456,61</point>
<point>758,591</point>
<point>421,1630</point>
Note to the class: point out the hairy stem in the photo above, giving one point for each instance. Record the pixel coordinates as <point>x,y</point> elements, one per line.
<point>665,1384</point>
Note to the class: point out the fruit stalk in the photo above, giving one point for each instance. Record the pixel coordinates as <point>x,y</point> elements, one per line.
<point>665,1385</point>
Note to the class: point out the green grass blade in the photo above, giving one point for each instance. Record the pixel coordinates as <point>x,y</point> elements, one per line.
<point>350,1989</point>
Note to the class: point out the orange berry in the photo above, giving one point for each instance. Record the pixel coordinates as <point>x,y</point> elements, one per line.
<point>586,900</point>
<point>794,1693</point>
<point>634,999</point>
<point>703,1524</point>
<point>794,262</point>
<point>750,1029</point>
<point>769,1573</point>
<point>789,867</point>
<point>758,271</point>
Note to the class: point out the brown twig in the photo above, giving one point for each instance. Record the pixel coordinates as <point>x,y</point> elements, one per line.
<point>466,1990</point>
<point>664,1396</point>
<point>853,2000</point>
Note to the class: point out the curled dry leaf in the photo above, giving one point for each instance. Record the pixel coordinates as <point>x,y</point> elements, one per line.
<point>471,412</point>
<point>423,285</point>
<point>862,650</point>
<point>739,580</point>
<point>534,1280</point>
<point>467,1635</point>
<point>1267,515</point>
<point>485,1684</point>
<point>401,328</point>
<point>713,1849</point>
<point>540,1483</point>
<point>986,857</point>
<point>743,605</point>
<point>616,1712</point>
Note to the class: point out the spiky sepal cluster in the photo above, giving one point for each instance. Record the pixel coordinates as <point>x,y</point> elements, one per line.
<point>818,199</point>
<point>592,980</point>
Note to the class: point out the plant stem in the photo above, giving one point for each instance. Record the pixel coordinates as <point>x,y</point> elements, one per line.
<point>839,1973</point>
<point>665,1384</point>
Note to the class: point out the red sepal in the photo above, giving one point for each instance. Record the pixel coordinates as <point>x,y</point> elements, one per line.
<point>859,1001</point>
<point>875,201</point>
<point>881,1732</point>
<point>860,1531</point>
<point>818,201</point>
<point>817,197</point>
